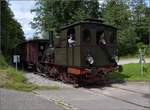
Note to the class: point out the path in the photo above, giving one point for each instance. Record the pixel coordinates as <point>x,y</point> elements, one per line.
<point>132,60</point>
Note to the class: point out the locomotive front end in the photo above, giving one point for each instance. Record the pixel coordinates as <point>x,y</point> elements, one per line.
<point>98,50</point>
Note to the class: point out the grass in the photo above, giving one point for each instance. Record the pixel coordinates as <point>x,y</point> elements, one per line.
<point>132,72</point>
<point>10,78</point>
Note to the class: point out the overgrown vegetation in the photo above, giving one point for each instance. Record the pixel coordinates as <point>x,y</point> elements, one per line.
<point>132,72</point>
<point>10,78</point>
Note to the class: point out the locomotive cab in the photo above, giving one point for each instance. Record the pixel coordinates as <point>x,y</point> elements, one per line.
<point>93,39</point>
<point>98,42</point>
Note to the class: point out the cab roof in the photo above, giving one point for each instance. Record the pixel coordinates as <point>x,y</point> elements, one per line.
<point>87,21</point>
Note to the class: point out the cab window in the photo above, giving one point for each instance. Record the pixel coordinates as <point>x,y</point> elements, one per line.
<point>86,36</point>
<point>100,40</point>
<point>71,31</point>
<point>71,37</point>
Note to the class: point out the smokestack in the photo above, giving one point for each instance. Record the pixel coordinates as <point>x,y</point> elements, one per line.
<point>51,44</point>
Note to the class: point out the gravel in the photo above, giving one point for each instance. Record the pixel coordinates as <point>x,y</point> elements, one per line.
<point>44,81</point>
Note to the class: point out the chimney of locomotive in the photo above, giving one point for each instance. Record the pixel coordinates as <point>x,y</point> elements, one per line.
<point>51,43</point>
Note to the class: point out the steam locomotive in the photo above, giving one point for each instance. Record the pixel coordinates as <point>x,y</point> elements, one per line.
<point>90,60</point>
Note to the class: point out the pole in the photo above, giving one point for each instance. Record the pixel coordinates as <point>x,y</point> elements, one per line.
<point>142,68</point>
<point>16,66</point>
<point>142,60</point>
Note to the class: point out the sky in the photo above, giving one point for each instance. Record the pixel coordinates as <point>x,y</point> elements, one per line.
<point>21,10</point>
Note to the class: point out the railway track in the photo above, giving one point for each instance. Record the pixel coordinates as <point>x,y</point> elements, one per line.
<point>129,90</point>
<point>99,92</point>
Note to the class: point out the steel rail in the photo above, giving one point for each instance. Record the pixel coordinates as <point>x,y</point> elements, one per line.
<point>114,97</point>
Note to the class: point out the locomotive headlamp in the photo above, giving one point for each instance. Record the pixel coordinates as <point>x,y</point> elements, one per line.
<point>90,59</point>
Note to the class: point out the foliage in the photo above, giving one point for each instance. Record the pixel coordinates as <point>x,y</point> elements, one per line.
<point>131,18</point>
<point>132,72</point>
<point>53,14</point>
<point>10,78</point>
<point>117,13</point>
<point>127,41</point>
<point>35,38</point>
<point>141,19</point>
<point>11,32</point>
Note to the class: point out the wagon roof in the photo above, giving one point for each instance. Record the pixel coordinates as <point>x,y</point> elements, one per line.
<point>38,40</point>
<point>87,21</point>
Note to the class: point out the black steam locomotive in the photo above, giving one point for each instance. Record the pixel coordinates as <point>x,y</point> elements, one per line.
<point>84,52</point>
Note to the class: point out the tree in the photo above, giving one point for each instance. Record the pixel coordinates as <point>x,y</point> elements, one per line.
<point>53,14</point>
<point>141,18</point>
<point>11,32</point>
<point>118,14</point>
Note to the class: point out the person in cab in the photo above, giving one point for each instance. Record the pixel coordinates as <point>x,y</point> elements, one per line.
<point>71,42</point>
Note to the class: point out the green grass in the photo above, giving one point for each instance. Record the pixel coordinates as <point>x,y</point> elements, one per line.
<point>132,72</point>
<point>10,78</point>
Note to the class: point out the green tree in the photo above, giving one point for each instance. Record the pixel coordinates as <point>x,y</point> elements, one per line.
<point>141,18</point>
<point>53,14</point>
<point>11,31</point>
<point>118,14</point>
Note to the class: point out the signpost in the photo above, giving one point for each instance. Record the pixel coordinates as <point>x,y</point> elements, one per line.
<point>142,60</point>
<point>16,59</point>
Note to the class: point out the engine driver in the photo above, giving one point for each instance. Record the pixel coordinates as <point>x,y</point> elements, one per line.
<point>71,42</point>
